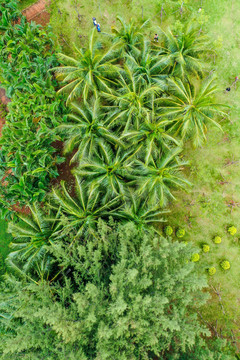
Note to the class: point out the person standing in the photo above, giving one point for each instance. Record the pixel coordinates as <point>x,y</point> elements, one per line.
<point>98,27</point>
<point>94,21</point>
<point>155,38</point>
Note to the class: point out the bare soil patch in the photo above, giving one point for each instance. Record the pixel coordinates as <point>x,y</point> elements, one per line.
<point>37,12</point>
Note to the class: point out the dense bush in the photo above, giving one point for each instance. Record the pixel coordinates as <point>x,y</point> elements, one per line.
<point>195,257</point>
<point>232,230</point>
<point>217,240</point>
<point>128,295</point>
<point>168,230</point>
<point>212,270</point>
<point>206,248</point>
<point>28,159</point>
<point>180,232</point>
<point>225,265</point>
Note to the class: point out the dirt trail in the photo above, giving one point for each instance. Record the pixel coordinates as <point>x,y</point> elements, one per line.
<point>37,12</point>
<point>3,101</point>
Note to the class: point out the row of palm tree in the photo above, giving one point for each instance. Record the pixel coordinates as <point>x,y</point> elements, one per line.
<point>132,108</point>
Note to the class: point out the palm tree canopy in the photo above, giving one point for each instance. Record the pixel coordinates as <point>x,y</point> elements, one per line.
<point>129,37</point>
<point>147,66</point>
<point>156,179</point>
<point>90,71</point>
<point>87,126</point>
<point>137,210</point>
<point>151,138</point>
<point>107,171</point>
<point>83,210</point>
<point>183,54</point>
<point>189,110</point>
<point>132,101</point>
<point>32,234</point>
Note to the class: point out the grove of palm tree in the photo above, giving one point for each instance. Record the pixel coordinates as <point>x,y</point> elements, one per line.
<point>95,155</point>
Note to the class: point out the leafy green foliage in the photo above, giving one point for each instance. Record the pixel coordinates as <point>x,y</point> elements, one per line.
<point>168,230</point>
<point>180,232</point>
<point>80,213</point>
<point>212,270</point>
<point>225,265</point>
<point>217,240</point>
<point>206,248</point>
<point>129,36</point>
<point>130,294</point>
<point>27,156</point>
<point>86,128</point>
<point>31,235</point>
<point>195,257</point>
<point>183,53</point>
<point>232,230</point>
<point>189,110</point>
<point>91,71</point>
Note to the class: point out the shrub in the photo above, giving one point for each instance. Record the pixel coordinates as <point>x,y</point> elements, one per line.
<point>225,265</point>
<point>27,53</point>
<point>168,230</point>
<point>217,240</point>
<point>107,291</point>
<point>180,232</point>
<point>232,230</point>
<point>195,257</point>
<point>211,271</point>
<point>206,248</point>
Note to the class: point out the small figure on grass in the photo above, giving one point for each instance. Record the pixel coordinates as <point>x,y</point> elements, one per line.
<point>155,38</point>
<point>98,27</point>
<point>94,21</point>
<point>235,81</point>
<point>233,84</point>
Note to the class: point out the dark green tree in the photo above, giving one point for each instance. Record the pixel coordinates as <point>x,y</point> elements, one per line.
<point>126,294</point>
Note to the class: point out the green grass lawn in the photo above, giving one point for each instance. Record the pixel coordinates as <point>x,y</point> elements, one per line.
<point>5,239</point>
<point>213,202</point>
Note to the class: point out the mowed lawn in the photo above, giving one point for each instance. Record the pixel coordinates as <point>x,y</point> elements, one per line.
<point>213,203</point>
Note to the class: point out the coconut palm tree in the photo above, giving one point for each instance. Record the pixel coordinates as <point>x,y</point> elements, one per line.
<point>92,70</point>
<point>156,179</point>
<point>190,109</point>
<point>131,102</point>
<point>136,209</point>
<point>151,137</point>
<point>87,125</point>
<point>80,213</point>
<point>107,171</point>
<point>147,67</point>
<point>32,234</point>
<point>183,53</point>
<point>129,37</point>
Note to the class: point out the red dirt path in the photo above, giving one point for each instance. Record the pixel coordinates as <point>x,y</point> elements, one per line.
<point>4,100</point>
<point>37,12</point>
